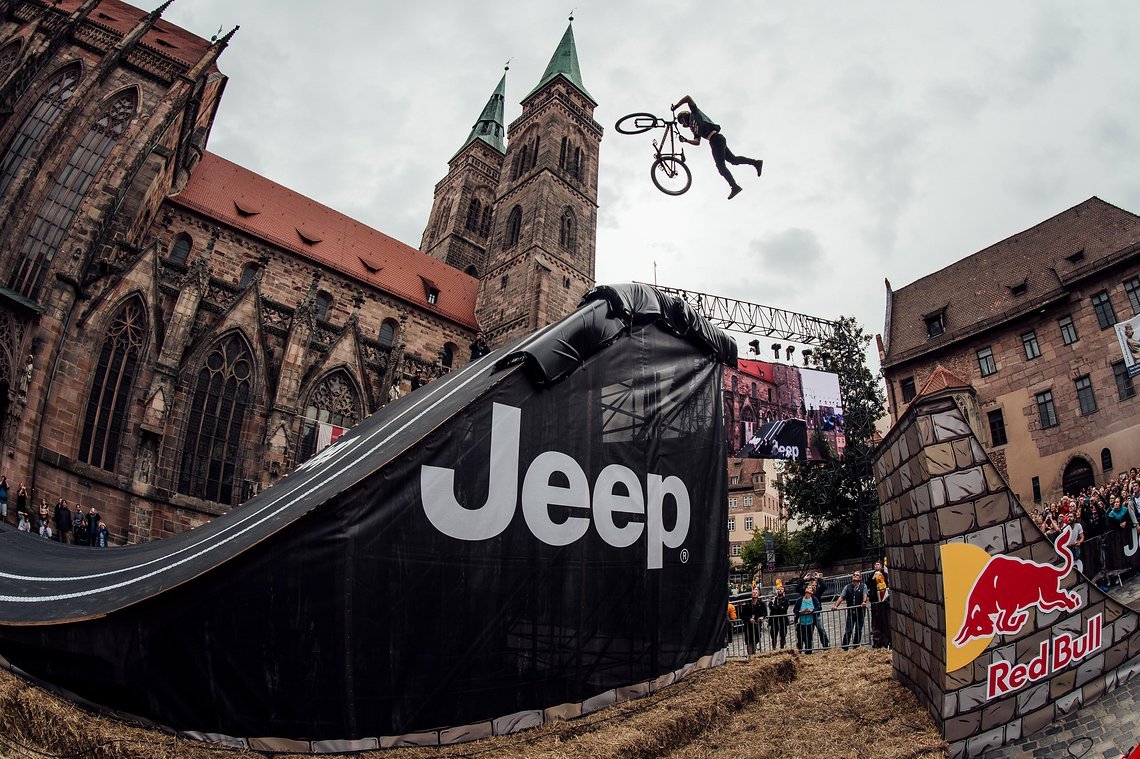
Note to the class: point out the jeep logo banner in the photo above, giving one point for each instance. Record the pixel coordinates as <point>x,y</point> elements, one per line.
<point>617,491</point>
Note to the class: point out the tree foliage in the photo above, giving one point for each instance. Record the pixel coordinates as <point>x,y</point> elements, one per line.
<point>790,550</point>
<point>836,498</point>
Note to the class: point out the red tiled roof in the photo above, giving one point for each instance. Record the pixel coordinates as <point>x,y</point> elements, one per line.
<point>759,369</point>
<point>942,379</point>
<point>226,192</point>
<point>164,37</point>
<point>979,289</point>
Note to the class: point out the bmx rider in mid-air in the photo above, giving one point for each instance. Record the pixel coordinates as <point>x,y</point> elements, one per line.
<point>702,126</point>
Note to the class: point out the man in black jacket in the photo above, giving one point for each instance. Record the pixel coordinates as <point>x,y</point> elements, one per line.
<point>62,522</point>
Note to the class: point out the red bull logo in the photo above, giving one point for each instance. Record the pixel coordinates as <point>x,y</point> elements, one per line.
<point>1008,587</point>
<point>994,595</point>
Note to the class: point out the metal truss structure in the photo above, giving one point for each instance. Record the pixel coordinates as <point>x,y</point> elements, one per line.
<point>754,319</point>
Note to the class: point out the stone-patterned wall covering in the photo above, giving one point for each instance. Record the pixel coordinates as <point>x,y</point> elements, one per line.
<point>937,487</point>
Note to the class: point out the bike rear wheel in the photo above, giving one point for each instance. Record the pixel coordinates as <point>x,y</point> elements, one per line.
<point>638,123</point>
<point>671,175</point>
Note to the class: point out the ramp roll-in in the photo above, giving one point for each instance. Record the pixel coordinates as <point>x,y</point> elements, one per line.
<point>535,535</point>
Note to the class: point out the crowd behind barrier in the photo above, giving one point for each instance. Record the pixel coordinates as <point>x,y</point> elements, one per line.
<point>816,613</point>
<point>63,523</point>
<point>1105,526</point>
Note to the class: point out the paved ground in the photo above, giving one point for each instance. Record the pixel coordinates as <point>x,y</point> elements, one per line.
<point>1102,730</point>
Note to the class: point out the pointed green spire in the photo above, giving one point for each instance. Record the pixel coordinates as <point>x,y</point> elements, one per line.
<point>564,62</point>
<point>489,127</point>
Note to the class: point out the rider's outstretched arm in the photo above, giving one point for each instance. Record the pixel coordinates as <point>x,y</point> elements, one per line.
<point>686,100</point>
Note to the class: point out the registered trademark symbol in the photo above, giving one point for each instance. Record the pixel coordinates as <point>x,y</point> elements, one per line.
<point>684,555</point>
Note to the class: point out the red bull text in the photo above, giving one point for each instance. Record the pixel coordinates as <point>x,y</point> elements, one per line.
<point>1005,677</point>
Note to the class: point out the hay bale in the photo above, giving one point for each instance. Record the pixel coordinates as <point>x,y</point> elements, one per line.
<point>773,706</point>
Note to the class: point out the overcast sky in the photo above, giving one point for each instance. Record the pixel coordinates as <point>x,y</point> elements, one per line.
<point>897,137</point>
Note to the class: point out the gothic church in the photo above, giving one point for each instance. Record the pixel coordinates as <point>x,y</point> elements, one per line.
<point>178,332</point>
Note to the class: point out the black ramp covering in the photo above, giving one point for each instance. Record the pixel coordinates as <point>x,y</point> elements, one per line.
<point>536,529</point>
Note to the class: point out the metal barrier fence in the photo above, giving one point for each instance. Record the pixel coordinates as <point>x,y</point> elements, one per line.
<point>831,629</point>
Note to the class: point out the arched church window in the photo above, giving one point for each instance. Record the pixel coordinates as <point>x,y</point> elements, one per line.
<point>55,215</point>
<point>388,333</point>
<point>447,355</point>
<point>108,406</point>
<point>514,228</point>
<point>485,221</point>
<point>520,161</point>
<point>32,129</point>
<point>180,251</point>
<point>333,407</point>
<point>211,452</point>
<point>474,211</point>
<point>567,236</point>
<point>323,304</point>
<point>1106,460</point>
<point>248,272</point>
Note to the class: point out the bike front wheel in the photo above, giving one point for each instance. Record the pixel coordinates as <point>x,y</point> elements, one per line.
<point>671,175</point>
<point>638,123</point>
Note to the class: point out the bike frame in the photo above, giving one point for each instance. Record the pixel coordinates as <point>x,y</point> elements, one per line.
<point>669,138</point>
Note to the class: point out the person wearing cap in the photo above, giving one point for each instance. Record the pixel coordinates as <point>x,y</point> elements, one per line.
<point>702,126</point>
<point>856,598</point>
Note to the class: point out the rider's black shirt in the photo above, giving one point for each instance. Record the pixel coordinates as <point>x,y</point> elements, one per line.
<point>702,124</point>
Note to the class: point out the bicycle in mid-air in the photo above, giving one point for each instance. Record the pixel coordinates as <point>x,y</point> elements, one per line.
<point>669,171</point>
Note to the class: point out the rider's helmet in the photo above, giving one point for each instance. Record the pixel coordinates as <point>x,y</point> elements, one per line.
<point>684,117</point>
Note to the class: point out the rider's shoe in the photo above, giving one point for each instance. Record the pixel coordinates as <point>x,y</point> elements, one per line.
<point>759,164</point>
<point>736,189</point>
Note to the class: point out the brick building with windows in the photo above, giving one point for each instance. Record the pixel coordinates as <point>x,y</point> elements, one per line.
<point>178,332</point>
<point>753,502</point>
<point>1021,334</point>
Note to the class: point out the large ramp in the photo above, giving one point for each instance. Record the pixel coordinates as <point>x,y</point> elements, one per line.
<point>995,628</point>
<point>532,537</point>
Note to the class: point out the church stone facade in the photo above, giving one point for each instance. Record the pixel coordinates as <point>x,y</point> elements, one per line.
<point>178,332</point>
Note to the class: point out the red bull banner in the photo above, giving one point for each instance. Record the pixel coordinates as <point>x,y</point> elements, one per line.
<point>989,595</point>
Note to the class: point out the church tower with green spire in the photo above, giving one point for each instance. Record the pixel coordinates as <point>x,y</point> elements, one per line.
<point>459,227</point>
<point>540,257</point>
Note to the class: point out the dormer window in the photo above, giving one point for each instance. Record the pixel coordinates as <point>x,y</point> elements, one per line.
<point>431,291</point>
<point>1020,288</point>
<point>307,237</point>
<point>935,323</point>
<point>1076,257</point>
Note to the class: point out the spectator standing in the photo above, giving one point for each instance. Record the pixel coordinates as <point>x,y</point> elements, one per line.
<point>43,516</point>
<point>817,583</point>
<point>62,522</point>
<point>753,620</point>
<point>78,528</point>
<point>880,609</point>
<point>92,523</point>
<point>806,610</point>
<point>778,616</point>
<point>856,598</point>
<point>3,497</point>
<point>102,535</point>
<point>21,499</point>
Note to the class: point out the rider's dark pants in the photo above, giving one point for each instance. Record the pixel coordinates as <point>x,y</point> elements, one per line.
<point>722,154</point>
